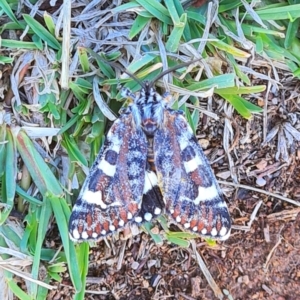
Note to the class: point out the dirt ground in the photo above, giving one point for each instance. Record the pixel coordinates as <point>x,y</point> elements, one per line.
<point>261,261</point>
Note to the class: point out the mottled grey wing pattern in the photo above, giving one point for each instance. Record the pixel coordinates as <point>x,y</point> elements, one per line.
<point>192,196</point>
<point>112,193</point>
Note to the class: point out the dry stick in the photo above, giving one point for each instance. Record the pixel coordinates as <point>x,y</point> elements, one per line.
<point>252,218</point>
<point>27,276</point>
<point>294,202</point>
<point>265,111</point>
<point>206,273</point>
<point>266,264</point>
<point>121,255</point>
<point>65,56</point>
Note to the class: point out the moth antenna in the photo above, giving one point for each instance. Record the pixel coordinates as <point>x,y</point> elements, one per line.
<point>173,69</point>
<point>115,65</point>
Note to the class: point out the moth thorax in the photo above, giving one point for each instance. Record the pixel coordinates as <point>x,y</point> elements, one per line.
<point>149,126</point>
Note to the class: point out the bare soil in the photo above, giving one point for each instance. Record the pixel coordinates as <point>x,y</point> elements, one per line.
<point>261,262</point>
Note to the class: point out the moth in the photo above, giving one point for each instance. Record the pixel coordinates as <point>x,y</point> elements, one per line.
<point>151,163</point>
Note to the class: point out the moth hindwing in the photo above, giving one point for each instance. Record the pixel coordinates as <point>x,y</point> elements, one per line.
<point>150,163</point>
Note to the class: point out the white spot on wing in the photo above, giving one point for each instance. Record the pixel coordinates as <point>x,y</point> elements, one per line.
<point>157,211</point>
<point>192,164</point>
<point>150,181</point>
<point>138,219</point>
<point>183,143</point>
<point>204,231</point>
<point>148,216</point>
<point>103,232</point>
<point>214,232</point>
<point>187,225</point>
<point>116,148</point>
<point>195,228</point>
<point>93,198</point>
<point>206,194</point>
<point>178,219</point>
<point>121,223</point>
<point>84,235</point>
<point>94,235</point>
<point>75,234</point>
<point>107,168</point>
<point>129,215</point>
<point>224,234</point>
<point>112,228</point>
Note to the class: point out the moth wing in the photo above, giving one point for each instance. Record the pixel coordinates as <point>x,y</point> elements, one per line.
<point>152,201</point>
<point>112,193</point>
<point>191,193</point>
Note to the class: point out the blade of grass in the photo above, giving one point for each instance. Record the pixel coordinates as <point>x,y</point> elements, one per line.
<point>220,81</point>
<point>6,8</point>
<point>40,30</point>
<point>176,34</point>
<point>285,12</point>
<point>157,10</point>
<point>62,215</point>
<point>10,176</point>
<point>45,214</point>
<point>138,25</point>
<point>83,258</point>
<point>18,44</point>
<point>38,169</point>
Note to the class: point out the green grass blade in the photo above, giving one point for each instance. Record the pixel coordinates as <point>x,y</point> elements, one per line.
<point>38,169</point>
<point>62,215</point>
<point>241,90</point>
<point>242,106</point>
<point>124,7</point>
<point>40,30</point>
<point>45,214</point>
<point>83,259</point>
<point>176,34</point>
<point>15,288</point>
<point>157,238</point>
<point>172,11</point>
<point>138,25</point>
<point>157,10</point>
<point>10,175</point>
<point>220,81</point>
<point>18,44</point>
<point>285,12</point>
<point>73,151</point>
<point>6,8</point>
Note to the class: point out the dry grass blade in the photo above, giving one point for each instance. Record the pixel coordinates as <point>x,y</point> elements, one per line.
<point>209,278</point>
<point>247,187</point>
<point>26,276</point>
<point>65,56</point>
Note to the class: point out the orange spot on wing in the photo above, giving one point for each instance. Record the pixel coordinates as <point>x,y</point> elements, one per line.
<point>177,212</point>
<point>183,220</point>
<point>80,228</point>
<point>116,223</point>
<point>133,207</point>
<point>89,220</point>
<point>196,178</point>
<point>210,220</point>
<point>105,226</point>
<point>103,182</point>
<point>123,215</point>
<point>98,228</point>
<point>219,223</point>
<point>201,225</point>
<point>193,223</point>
